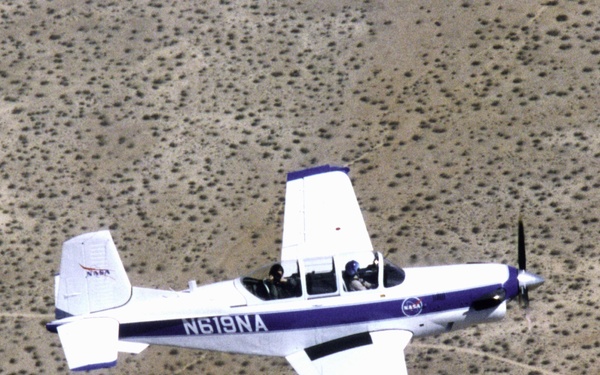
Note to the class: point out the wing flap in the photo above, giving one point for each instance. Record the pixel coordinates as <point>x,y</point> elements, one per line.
<point>90,343</point>
<point>355,354</point>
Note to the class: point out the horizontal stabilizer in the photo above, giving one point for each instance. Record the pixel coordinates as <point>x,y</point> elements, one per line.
<point>90,343</point>
<point>131,347</point>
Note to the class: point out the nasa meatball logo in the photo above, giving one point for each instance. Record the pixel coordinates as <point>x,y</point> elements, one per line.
<point>412,306</point>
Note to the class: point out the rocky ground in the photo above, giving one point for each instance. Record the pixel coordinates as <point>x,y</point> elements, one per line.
<point>173,125</point>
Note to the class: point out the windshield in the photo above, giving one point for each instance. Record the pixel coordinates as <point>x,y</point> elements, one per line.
<point>392,274</point>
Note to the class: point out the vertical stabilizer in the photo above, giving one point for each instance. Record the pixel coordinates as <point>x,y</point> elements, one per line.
<point>92,276</point>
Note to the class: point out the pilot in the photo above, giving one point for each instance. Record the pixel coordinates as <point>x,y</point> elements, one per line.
<point>370,274</point>
<point>351,277</point>
<point>279,286</point>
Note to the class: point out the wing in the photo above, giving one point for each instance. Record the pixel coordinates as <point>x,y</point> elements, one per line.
<point>356,354</point>
<point>322,216</point>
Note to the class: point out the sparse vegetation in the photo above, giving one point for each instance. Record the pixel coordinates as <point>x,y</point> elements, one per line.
<point>175,134</point>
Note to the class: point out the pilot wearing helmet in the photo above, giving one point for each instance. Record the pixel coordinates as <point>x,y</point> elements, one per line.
<point>353,281</point>
<point>279,286</point>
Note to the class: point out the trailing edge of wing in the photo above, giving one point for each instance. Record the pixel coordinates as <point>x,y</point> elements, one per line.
<point>355,354</point>
<point>322,216</point>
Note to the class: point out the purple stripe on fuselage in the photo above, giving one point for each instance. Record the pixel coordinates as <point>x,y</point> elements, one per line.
<point>309,318</point>
<point>315,170</point>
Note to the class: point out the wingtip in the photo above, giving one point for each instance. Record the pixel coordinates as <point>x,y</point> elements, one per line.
<point>95,366</point>
<point>326,168</point>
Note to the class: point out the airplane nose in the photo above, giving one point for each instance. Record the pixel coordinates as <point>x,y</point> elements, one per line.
<point>529,280</point>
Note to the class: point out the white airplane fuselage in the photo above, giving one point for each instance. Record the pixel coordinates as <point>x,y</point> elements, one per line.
<point>316,307</point>
<point>225,316</point>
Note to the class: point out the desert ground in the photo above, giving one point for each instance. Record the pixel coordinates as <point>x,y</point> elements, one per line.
<point>173,124</point>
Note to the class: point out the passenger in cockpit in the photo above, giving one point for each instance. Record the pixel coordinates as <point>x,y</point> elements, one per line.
<point>279,286</point>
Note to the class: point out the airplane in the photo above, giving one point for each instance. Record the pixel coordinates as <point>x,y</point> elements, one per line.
<point>307,307</point>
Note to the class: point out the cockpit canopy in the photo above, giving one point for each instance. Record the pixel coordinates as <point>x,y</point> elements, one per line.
<point>322,277</point>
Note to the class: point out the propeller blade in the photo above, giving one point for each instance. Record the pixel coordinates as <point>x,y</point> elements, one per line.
<point>526,279</point>
<point>521,247</point>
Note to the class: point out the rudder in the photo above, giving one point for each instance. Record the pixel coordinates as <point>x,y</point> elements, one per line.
<point>92,277</point>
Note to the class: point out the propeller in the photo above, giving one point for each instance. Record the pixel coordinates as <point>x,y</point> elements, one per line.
<point>521,247</point>
<point>527,280</point>
<point>523,293</point>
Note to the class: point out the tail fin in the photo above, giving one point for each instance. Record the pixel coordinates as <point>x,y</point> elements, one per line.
<point>92,277</point>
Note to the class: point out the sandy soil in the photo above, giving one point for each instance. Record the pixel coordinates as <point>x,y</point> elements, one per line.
<point>174,124</point>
